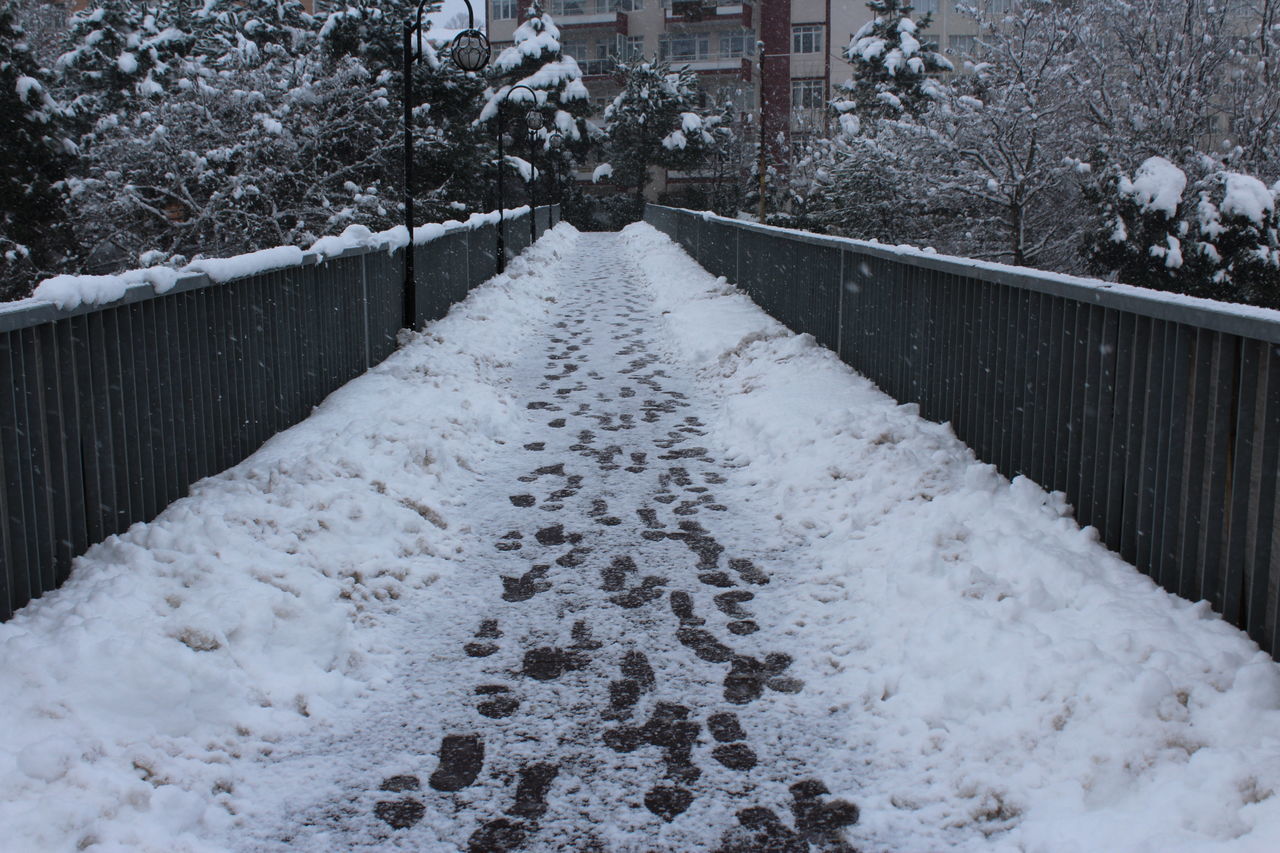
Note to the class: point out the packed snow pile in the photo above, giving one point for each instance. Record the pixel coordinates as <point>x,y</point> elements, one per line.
<point>71,291</point>
<point>188,646</point>
<point>1005,681</point>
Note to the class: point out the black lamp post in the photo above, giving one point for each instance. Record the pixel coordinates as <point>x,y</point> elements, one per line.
<point>533,120</point>
<point>555,142</point>
<point>470,50</point>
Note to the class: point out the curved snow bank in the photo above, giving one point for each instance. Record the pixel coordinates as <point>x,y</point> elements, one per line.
<point>1005,681</point>
<point>251,608</point>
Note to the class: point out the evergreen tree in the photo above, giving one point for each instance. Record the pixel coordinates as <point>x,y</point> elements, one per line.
<point>364,40</point>
<point>32,202</point>
<point>120,51</point>
<point>254,32</point>
<point>654,122</point>
<point>891,66</point>
<point>1214,235</point>
<point>536,59</point>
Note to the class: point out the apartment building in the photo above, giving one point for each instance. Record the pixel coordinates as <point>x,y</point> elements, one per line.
<point>802,42</point>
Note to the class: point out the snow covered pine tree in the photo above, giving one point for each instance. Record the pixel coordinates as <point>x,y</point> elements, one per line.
<point>1218,241</point>
<point>654,121</point>
<point>891,66</point>
<point>537,60</point>
<point>32,202</point>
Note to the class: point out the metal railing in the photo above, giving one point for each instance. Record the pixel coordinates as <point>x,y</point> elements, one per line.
<point>109,413</point>
<point>598,67</point>
<point>572,8</point>
<point>683,6</point>
<point>1158,416</point>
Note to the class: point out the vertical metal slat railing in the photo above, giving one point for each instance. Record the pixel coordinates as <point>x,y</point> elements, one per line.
<point>108,414</point>
<point>1158,419</point>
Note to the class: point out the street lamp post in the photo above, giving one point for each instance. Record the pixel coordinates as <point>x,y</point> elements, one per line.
<point>555,142</point>
<point>533,122</point>
<point>470,50</point>
<point>529,120</point>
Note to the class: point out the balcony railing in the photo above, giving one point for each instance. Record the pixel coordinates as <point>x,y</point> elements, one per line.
<point>598,67</point>
<point>577,8</point>
<point>688,6</point>
<point>707,10</point>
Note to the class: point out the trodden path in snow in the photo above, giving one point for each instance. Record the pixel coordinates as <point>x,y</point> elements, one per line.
<point>608,559</point>
<point>603,674</point>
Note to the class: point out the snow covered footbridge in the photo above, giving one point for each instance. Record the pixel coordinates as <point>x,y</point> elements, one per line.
<point>607,558</point>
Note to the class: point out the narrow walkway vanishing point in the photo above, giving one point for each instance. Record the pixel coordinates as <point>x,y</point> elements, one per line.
<point>609,560</point>
<point>616,684</point>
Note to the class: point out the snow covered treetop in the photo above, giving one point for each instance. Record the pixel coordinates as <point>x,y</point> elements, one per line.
<point>537,36</point>
<point>536,60</point>
<point>1157,185</point>
<point>890,66</point>
<point>1247,197</point>
<point>889,39</point>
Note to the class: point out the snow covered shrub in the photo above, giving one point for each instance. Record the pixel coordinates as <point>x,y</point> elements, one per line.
<point>1213,235</point>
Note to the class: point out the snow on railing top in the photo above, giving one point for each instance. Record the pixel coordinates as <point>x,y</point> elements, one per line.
<point>1247,320</point>
<point>68,292</point>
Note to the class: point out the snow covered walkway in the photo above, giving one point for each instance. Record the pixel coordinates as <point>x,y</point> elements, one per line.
<point>609,560</point>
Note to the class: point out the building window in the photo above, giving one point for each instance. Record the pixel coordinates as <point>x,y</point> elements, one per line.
<point>686,47</point>
<point>632,47</point>
<point>808,94</point>
<point>926,7</point>
<point>961,45</point>
<point>630,5</point>
<point>738,44</point>
<point>504,10</point>
<point>576,49</point>
<point>806,38</point>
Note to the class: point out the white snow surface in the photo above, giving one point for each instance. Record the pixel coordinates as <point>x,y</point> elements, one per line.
<point>1246,196</point>
<point>70,291</point>
<point>25,86</point>
<point>1157,185</point>
<point>224,269</point>
<point>529,43</point>
<point>1001,681</point>
<point>183,649</point>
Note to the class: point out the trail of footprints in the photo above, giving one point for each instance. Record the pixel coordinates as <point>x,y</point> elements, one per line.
<point>598,414</point>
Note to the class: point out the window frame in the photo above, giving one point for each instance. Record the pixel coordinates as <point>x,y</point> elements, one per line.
<point>816,34</point>
<point>810,84</point>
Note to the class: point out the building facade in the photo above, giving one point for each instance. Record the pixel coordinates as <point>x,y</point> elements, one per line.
<point>784,87</point>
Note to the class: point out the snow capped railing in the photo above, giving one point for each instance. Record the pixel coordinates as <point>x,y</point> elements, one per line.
<point>121,391</point>
<point>1157,414</point>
